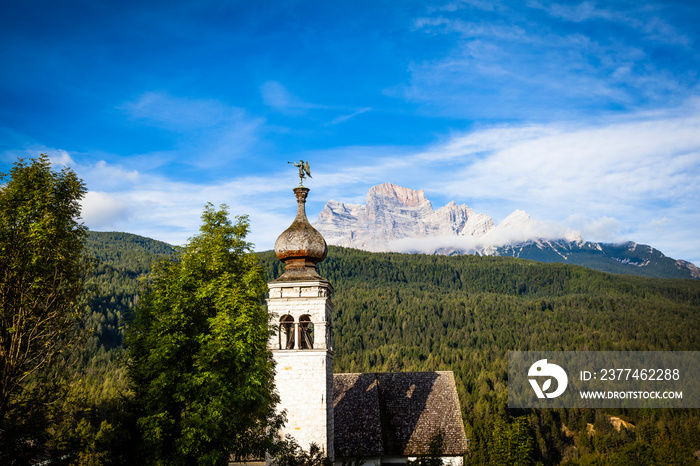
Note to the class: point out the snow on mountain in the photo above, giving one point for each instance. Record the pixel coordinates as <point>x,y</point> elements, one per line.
<point>393,213</point>
<point>399,219</point>
<point>518,220</point>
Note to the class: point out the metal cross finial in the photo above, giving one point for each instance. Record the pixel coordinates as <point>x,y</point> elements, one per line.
<point>304,170</point>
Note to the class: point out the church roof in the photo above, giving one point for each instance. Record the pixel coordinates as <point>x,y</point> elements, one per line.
<point>396,414</point>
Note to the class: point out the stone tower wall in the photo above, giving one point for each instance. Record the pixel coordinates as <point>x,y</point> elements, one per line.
<point>304,377</point>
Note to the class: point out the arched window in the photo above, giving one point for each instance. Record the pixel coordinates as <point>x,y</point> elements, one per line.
<point>286,333</point>
<point>306,332</point>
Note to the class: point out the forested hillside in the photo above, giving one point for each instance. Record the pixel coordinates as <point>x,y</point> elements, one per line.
<point>404,312</point>
<point>120,261</point>
<point>408,312</point>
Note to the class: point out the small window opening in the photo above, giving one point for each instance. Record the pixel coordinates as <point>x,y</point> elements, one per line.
<point>306,332</point>
<point>286,333</point>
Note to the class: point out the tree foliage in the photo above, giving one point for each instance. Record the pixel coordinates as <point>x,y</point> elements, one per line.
<point>415,312</point>
<point>287,452</point>
<point>198,364</point>
<point>419,312</point>
<point>42,272</point>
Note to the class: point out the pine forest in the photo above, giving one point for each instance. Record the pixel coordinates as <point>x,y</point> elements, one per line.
<point>411,312</point>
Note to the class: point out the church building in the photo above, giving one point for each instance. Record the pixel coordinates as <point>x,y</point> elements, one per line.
<point>385,418</point>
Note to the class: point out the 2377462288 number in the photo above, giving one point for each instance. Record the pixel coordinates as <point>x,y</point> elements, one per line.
<point>640,374</point>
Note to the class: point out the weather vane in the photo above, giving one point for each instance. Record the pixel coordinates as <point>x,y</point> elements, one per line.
<point>304,170</point>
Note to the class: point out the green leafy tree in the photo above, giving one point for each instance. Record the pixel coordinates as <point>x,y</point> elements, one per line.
<point>198,360</point>
<point>42,272</point>
<point>287,452</point>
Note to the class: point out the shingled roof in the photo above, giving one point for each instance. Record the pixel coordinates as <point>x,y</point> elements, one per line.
<point>396,414</point>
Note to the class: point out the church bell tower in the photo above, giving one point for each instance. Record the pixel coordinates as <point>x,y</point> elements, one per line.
<point>302,344</point>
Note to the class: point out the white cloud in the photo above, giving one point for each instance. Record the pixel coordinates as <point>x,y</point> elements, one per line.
<point>207,132</point>
<point>660,222</point>
<point>108,175</point>
<point>497,237</point>
<point>526,66</point>
<point>168,210</point>
<point>581,12</point>
<point>610,180</point>
<point>277,96</point>
<point>614,164</point>
<point>58,158</point>
<point>641,17</point>
<point>603,229</point>
<point>430,244</point>
<point>102,211</point>
<point>61,158</point>
<point>176,113</point>
<point>344,118</point>
<point>636,178</point>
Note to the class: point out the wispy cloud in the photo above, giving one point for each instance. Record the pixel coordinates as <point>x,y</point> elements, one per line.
<point>605,229</point>
<point>538,231</point>
<point>584,11</point>
<point>344,118</point>
<point>609,180</point>
<point>460,4</point>
<point>207,132</point>
<point>277,96</point>
<point>167,209</point>
<point>519,64</point>
<point>498,104</point>
<point>170,210</point>
<point>638,16</point>
<point>61,158</point>
<point>635,159</point>
<point>177,113</point>
<point>632,178</point>
<point>102,210</point>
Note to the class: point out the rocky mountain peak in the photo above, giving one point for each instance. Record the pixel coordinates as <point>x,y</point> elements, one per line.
<point>405,196</point>
<point>393,213</point>
<point>401,219</point>
<point>519,219</point>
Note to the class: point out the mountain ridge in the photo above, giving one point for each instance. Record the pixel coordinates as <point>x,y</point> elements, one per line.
<point>398,219</point>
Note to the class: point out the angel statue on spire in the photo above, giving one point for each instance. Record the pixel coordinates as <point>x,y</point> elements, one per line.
<point>304,170</point>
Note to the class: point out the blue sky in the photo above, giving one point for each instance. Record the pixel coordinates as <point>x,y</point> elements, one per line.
<point>586,115</point>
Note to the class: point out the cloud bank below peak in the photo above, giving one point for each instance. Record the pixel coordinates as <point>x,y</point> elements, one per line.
<point>626,178</point>
<point>613,180</point>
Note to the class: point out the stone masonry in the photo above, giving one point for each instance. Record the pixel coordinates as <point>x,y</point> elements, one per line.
<point>304,378</point>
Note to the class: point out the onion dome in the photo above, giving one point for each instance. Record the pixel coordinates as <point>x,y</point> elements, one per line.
<point>300,246</point>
